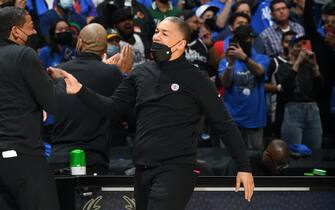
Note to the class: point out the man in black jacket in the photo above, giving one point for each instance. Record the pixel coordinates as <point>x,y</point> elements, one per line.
<point>73,129</point>
<point>25,89</point>
<point>169,103</point>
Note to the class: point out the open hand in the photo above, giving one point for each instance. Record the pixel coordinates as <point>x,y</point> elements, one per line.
<point>248,183</point>
<point>123,60</point>
<point>72,84</point>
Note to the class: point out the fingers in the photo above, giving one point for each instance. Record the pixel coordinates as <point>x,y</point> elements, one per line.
<point>249,189</point>
<point>238,184</point>
<point>104,58</point>
<point>248,184</point>
<point>56,73</point>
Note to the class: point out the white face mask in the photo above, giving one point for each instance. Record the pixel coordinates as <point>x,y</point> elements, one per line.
<point>66,4</point>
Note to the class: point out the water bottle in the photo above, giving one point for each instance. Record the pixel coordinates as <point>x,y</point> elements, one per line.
<point>78,162</point>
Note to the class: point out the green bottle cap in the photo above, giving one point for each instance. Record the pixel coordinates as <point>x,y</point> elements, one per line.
<point>319,172</point>
<point>77,158</point>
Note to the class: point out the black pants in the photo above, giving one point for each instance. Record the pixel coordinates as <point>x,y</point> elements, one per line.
<point>27,184</point>
<point>167,187</point>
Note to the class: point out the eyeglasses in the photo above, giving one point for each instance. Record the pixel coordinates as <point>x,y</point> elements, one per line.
<point>280,8</point>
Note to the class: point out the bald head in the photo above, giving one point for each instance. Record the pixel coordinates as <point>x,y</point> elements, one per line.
<point>92,38</point>
<point>276,155</point>
<point>279,147</point>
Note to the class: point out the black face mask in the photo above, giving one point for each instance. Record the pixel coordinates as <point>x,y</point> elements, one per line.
<point>7,4</point>
<point>161,52</point>
<point>64,38</point>
<point>246,47</point>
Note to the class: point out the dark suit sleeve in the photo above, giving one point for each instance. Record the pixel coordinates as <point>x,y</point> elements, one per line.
<point>42,87</point>
<point>222,123</point>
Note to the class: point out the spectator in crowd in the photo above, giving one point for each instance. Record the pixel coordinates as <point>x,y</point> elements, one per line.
<point>206,15</point>
<point>60,45</point>
<point>225,34</point>
<point>62,10</point>
<point>85,8</point>
<point>271,162</point>
<point>113,42</point>
<point>25,89</point>
<point>161,9</point>
<point>143,22</point>
<point>297,11</point>
<point>301,123</point>
<point>206,12</point>
<point>324,47</point>
<point>88,131</point>
<point>278,69</point>
<point>243,72</point>
<point>272,35</point>
<point>199,52</point>
<point>124,25</point>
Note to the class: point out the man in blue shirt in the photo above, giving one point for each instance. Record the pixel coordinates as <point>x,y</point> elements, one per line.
<point>242,73</point>
<point>272,35</point>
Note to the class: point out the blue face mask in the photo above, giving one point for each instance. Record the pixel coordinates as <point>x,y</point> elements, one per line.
<point>66,4</point>
<point>112,50</point>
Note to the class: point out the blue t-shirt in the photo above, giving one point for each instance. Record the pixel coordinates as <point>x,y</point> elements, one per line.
<point>261,19</point>
<point>41,6</point>
<point>49,59</point>
<point>245,98</point>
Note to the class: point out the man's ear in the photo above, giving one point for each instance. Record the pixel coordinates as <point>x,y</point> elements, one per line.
<point>183,43</point>
<point>79,44</point>
<point>14,34</point>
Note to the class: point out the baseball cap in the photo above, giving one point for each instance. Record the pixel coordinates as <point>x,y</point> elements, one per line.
<point>203,8</point>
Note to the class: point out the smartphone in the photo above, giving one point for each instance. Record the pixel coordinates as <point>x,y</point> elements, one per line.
<point>306,44</point>
<point>330,30</point>
<point>233,41</point>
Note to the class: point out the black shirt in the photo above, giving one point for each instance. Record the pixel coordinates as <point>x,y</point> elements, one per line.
<point>296,86</point>
<point>197,54</point>
<point>169,103</point>
<point>78,126</point>
<point>25,89</point>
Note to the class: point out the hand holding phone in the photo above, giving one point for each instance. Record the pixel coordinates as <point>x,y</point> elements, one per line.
<point>306,44</point>
<point>330,30</point>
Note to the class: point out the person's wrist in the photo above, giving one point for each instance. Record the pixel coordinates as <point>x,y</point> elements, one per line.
<point>246,59</point>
